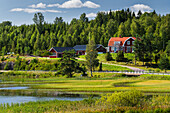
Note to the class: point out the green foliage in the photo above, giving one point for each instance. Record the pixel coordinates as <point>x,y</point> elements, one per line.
<point>100,67</point>
<point>46,53</point>
<point>6,66</point>
<point>108,56</point>
<point>155,77</point>
<point>156,104</point>
<point>91,56</point>
<point>120,56</point>
<point>68,63</point>
<point>27,39</point>
<point>3,58</point>
<point>168,48</point>
<point>164,63</point>
<point>117,99</point>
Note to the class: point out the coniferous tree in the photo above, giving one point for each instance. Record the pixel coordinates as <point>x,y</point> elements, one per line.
<point>91,56</point>
<point>68,63</point>
<point>164,63</point>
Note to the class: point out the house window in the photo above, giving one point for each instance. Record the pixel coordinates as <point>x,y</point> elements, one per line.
<point>128,49</point>
<point>54,53</point>
<point>133,42</point>
<point>115,49</point>
<point>116,43</point>
<point>128,42</point>
<point>112,48</point>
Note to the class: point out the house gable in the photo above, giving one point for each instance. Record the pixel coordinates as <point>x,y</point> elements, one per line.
<point>130,39</point>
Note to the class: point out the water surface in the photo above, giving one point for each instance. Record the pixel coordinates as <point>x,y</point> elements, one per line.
<point>13,88</point>
<point>23,99</point>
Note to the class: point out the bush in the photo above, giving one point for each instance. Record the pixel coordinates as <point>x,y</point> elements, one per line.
<point>119,99</point>
<point>120,56</point>
<point>119,75</point>
<point>100,67</point>
<point>6,66</point>
<point>108,57</point>
<point>3,59</point>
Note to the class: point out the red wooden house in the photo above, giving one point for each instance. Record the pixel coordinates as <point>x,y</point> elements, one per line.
<point>125,44</point>
<point>57,52</point>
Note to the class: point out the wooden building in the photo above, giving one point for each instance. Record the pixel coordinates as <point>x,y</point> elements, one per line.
<point>81,49</point>
<point>124,44</point>
<point>57,52</point>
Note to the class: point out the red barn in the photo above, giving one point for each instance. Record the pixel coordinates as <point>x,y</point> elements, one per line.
<point>57,52</point>
<point>125,44</point>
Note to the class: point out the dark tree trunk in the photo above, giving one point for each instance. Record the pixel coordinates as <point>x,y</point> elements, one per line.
<point>91,73</point>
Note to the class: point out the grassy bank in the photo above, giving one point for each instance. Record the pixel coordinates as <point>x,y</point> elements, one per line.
<point>133,101</point>
<point>101,82</point>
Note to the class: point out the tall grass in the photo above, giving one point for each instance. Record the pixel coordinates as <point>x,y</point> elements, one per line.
<point>129,102</point>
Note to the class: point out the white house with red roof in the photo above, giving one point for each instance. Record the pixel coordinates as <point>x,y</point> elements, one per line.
<point>125,44</point>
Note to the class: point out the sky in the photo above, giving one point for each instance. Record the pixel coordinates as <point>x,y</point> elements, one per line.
<point>22,11</point>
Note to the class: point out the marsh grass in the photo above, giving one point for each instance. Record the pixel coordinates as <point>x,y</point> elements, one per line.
<point>133,101</point>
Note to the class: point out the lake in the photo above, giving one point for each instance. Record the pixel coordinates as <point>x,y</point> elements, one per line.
<point>22,99</point>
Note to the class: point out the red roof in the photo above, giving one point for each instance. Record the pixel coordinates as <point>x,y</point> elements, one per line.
<point>118,39</point>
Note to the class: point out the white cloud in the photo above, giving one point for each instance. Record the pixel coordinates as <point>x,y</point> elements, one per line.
<point>75,4</point>
<point>90,4</point>
<point>144,8</point>
<point>53,11</point>
<point>40,5</point>
<point>27,10</point>
<point>91,15</point>
<point>16,9</point>
<point>53,5</point>
<point>71,4</point>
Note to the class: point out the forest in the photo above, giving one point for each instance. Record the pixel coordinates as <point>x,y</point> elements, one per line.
<point>41,36</point>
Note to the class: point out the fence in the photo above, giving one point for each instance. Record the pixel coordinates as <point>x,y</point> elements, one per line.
<point>135,72</point>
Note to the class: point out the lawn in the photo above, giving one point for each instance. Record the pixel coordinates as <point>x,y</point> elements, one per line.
<point>107,67</point>
<point>148,86</point>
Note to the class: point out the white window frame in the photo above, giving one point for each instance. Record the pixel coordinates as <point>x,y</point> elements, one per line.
<point>128,50</point>
<point>128,42</point>
<point>133,42</point>
<point>112,48</point>
<point>116,43</point>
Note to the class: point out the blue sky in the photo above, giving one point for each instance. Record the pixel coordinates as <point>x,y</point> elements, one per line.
<point>22,11</point>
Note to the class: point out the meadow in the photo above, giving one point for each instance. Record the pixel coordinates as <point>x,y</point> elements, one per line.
<point>145,93</point>
<point>100,83</point>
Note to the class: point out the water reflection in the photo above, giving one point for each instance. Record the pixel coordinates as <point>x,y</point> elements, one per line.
<point>23,99</point>
<point>13,88</point>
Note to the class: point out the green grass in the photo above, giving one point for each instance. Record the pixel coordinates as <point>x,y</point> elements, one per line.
<point>101,82</point>
<point>114,68</point>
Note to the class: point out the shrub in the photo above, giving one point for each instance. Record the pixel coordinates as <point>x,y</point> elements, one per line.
<point>108,57</point>
<point>160,100</point>
<point>119,75</point>
<point>100,67</point>
<point>119,99</point>
<point>6,66</point>
<point>3,59</point>
<point>120,56</point>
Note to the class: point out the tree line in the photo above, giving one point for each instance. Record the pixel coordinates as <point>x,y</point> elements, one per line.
<point>41,36</point>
